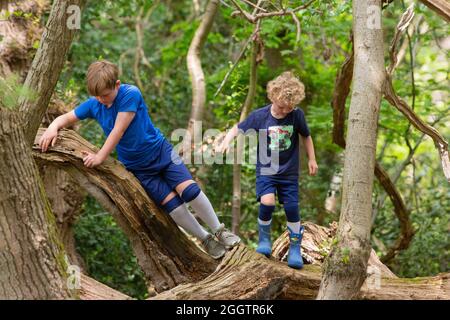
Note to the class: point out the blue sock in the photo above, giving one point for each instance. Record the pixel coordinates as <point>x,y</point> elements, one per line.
<point>265,212</point>
<point>172,204</point>
<point>291,210</point>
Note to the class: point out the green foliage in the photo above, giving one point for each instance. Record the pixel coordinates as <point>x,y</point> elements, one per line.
<point>12,90</point>
<point>107,251</point>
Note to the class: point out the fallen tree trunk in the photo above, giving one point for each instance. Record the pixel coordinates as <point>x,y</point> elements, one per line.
<point>93,290</point>
<point>165,255</point>
<point>245,274</point>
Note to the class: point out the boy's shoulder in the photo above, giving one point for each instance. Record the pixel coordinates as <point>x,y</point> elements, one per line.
<point>129,88</point>
<point>261,111</point>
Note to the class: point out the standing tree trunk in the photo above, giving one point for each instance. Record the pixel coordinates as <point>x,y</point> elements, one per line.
<point>345,268</point>
<point>194,64</point>
<point>32,262</point>
<point>49,61</point>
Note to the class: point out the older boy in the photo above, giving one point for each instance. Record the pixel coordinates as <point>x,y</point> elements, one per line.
<point>122,113</point>
<point>282,124</point>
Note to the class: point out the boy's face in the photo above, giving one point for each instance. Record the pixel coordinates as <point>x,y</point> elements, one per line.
<point>281,109</point>
<point>108,95</point>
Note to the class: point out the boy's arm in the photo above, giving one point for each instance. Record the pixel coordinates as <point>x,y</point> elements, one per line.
<point>49,136</point>
<point>228,138</point>
<point>309,146</point>
<point>123,120</point>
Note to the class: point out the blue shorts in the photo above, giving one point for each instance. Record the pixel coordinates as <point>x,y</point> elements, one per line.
<point>162,175</point>
<point>286,190</point>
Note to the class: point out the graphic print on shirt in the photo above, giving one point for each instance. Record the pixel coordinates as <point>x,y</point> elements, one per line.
<point>280,137</point>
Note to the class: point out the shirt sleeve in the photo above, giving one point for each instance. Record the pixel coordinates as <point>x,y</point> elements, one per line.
<point>249,123</point>
<point>302,125</point>
<point>84,110</point>
<point>131,100</point>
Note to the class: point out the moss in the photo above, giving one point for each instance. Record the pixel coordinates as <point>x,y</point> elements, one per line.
<point>60,254</point>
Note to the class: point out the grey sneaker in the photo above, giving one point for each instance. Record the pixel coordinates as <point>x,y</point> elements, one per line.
<point>227,238</point>
<point>213,248</point>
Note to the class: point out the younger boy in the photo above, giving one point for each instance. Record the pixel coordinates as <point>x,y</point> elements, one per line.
<point>283,123</point>
<point>122,113</point>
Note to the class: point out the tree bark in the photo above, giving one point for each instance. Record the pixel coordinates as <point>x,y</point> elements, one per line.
<point>165,255</point>
<point>345,267</point>
<point>47,64</point>
<point>32,264</point>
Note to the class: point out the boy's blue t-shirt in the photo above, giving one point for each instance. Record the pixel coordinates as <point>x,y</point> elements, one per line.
<point>282,136</point>
<point>141,142</point>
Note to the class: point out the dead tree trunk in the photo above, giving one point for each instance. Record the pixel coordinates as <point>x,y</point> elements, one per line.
<point>345,267</point>
<point>165,255</point>
<point>32,262</point>
<point>49,61</point>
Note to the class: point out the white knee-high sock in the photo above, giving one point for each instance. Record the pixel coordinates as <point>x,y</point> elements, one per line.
<point>264,223</point>
<point>205,211</point>
<point>184,218</point>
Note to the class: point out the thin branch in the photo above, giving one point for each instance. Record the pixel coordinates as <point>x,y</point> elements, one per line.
<point>255,6</point>
<point>253,18</point>
<point>241,54</point>
<point>403,24</point>
<point>439,141</point>
<point>297,24</point>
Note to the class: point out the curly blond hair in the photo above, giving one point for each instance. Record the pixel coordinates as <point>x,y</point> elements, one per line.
<point>286,88</point>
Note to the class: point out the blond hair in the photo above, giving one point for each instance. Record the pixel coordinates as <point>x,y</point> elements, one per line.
<point>286,88</point>
<point>101,75</point>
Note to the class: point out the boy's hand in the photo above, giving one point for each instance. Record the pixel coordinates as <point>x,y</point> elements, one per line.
<point>312,165</point>
<point>91,159</point>
<point>48,138</point>
<point>224,147</point>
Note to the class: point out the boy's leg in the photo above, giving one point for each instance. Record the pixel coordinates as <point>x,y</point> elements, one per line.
<point>265,192</point>
<point>176,208</point>
<point>191,193</point>
<point>179,178</point>
<point>288,195</point>
<point>172,204</point>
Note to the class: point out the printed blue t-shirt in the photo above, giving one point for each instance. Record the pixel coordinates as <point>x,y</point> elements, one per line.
<point>141,142</point>
<point>282,137</point>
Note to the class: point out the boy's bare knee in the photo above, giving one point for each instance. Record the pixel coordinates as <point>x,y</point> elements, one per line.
<point>268,199</point>
<point>169,197</point>
<point>180,188</point>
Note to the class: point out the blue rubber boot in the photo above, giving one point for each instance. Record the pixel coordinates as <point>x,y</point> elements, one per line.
<point>264,245</point>
<point>295,250</point>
